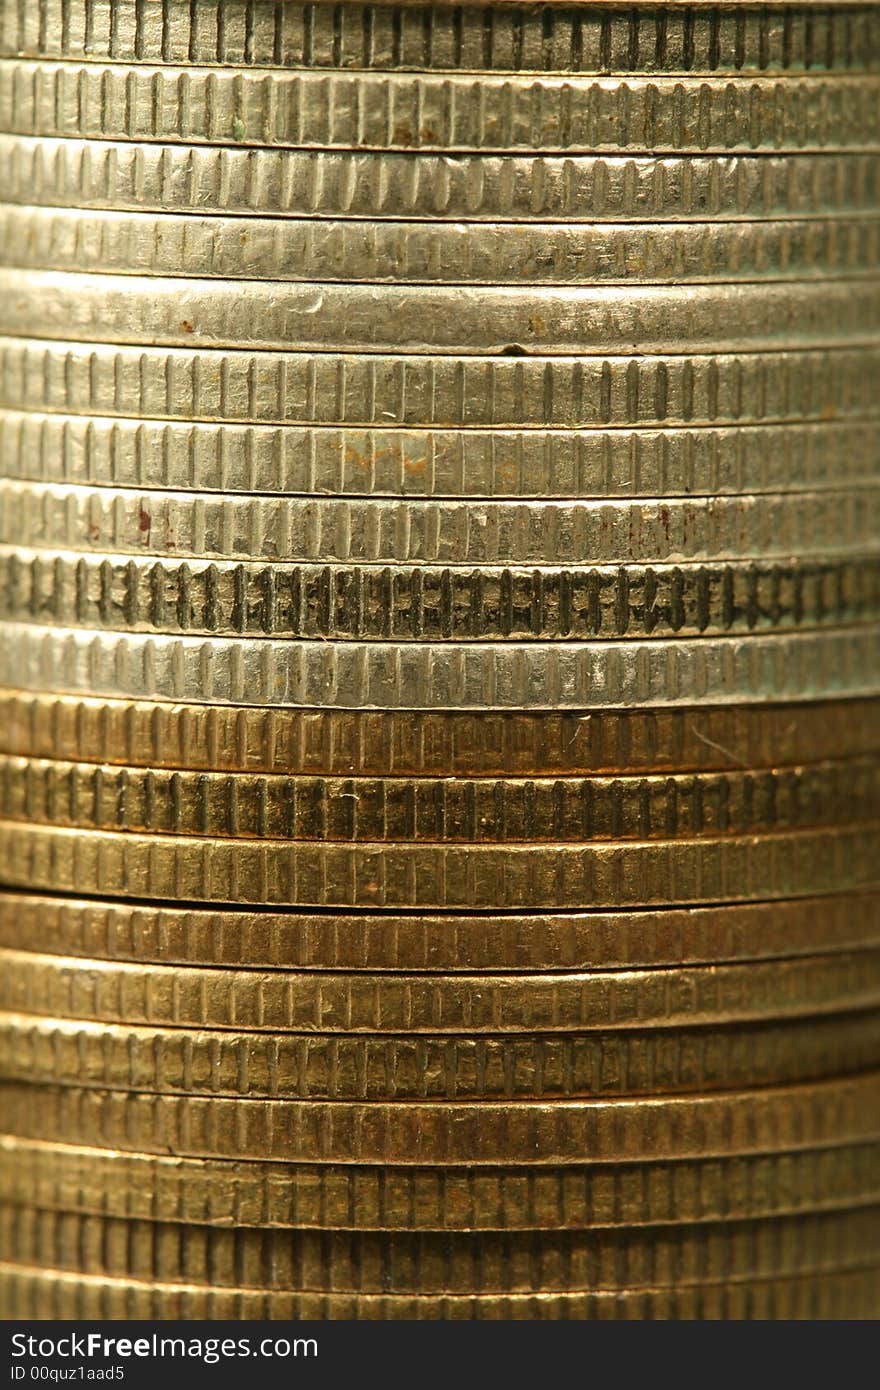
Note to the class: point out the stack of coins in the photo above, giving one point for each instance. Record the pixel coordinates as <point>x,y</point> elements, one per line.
<point>439,744</point>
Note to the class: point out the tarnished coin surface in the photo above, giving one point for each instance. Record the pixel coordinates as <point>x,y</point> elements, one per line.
<point>36,1293</point>
<point>477,37</point>
<point>450,944</point>
<point>458,1134</point>
<point>213,1192</point>
<point>669,1060</point>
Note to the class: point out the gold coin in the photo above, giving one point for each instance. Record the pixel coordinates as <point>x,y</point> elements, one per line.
<point>133,243</point>
<point>151,177</point>
<point>312,1001</point>
<point>469,1134</point>
<point>362,461</point>
<point>483,810</point>
<point>431,602</point>
<point>440,1067</point>
<point>443,743</point>
<point>38,1293</point>
<point>451,943</point>
<point>460,320</point>
<point>603,874</point>
<point>471,38</point>
<point>224,1193</point>
<point>424,1262</point>
<point>495,392</point>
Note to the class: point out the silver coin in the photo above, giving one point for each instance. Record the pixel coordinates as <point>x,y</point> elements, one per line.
<point>837,34</point>
<point>415,675</point>
<point>432,603</point>
<point>392,110</point>
<point>582,321</point>
<point>448,531</point>
<point>396,461</point>
<point>449,392</point>
<point>536,188</point>
<point>452,252</point>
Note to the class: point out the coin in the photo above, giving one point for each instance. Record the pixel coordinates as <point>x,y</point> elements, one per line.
<point>469,38</point>
<point>36,1293</point>
<point>120,175</point>
<point>453,944</point>
<point>440,532</point>
<point>471,392</point>
<point>439,319</point>
<point>441,743</point>
<point>601,874</point>
<point>222,1192</point>
<point>177,996</point>
<point>409,676</point>
<point>534,462</point>
<point>429,602</point>
<point>468,1134</point>
<point>440,1068</point>
<point>397,110</point>
<point>437,810</point>
<point>435,1262</point>
<point>136,243</point>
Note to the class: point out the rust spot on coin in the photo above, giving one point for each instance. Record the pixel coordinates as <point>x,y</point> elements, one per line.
<point>186,326</point>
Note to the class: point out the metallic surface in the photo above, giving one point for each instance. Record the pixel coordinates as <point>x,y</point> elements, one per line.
<point>431,1263</point>
<point>39,1293</point>
<point>46,172</point>
<point>401,743</point>
<point>284,1001</point>
<point>445,809</point>
<point>717,389</point>
<point>433,461</point>
<point>138,244</point>
<point>439,659</point>
<point>439,319</point>
<point>564,37</point>
<point>430,602</point>
<point>820,665</point>
<point>438,112</point>
<point>438,1068</point>
<point>740,868</point>
<point>461,1134</point>
<point>225,1193</point>
<point>388,942</point>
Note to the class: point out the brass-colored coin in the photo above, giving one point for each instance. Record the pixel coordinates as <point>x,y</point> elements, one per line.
<point>452,1133</point>
<point>558,676</point>
<point>224,1193</point>
<point>151,177</point>
<point>604,874</point>
<point>470,38</point>
<point>428,602</point>
<point>497,392</point>
<point>38,1293</point>
<point>425,1262</point>
<point>452,943</point>
<point>436,462</point>
<point>467,320</point>
<point>448,810</point>
<point>440,743</point>
<point>517,1066</point>
<point>133,243</point>
<point>398,110</point>
<point>312,1001</point>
